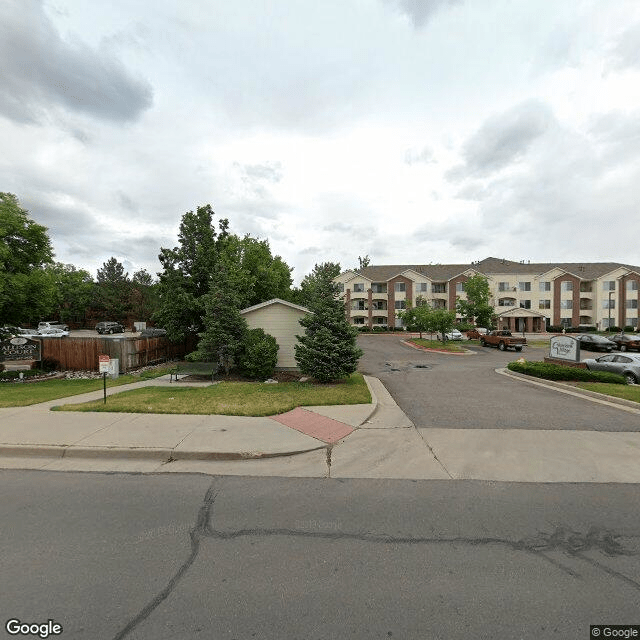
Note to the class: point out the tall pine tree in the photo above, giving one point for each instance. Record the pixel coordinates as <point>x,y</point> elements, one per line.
<point>327,350</point>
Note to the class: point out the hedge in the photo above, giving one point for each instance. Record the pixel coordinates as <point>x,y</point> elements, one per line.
<point>558,372</point>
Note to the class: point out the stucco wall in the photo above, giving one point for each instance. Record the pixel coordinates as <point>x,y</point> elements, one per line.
<point>282,322</point>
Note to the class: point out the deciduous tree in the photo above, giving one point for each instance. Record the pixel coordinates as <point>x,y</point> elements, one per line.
<point>476,307</point>
<point>26,290</point>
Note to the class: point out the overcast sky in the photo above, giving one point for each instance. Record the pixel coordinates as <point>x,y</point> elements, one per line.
<point>414,131</point>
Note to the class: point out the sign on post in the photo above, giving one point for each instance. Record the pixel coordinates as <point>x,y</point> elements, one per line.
<point>103,363</point>
<point>103,368</point>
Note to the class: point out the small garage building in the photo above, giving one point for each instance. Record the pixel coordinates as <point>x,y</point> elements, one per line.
<point>281,319</point>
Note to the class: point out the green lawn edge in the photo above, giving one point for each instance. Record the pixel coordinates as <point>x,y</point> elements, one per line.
<point>437,345</point>
<point>250,399</point>
<point>24,394</point>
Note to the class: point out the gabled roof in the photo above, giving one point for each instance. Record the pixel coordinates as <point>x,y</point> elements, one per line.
<point>275,301</point>
<point>489,266</point>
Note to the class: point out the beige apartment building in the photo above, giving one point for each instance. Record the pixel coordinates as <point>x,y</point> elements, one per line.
<point>526,296</point>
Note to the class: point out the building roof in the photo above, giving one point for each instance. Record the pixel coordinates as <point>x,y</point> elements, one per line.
<point>490,266</point>
<point>275,301</point>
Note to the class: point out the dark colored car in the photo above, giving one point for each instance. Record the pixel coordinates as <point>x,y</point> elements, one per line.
<point>628,366</point>
<point>153,332</point>
<point>593,342</point>
<point>109,327</point>
<point>626,342</point>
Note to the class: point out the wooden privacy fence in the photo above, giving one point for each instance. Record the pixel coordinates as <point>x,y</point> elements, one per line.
<point>79,354</point>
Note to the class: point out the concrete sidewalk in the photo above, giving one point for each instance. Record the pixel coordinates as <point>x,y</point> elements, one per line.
<point>358,441</point>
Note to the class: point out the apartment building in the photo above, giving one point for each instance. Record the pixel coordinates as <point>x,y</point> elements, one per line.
<point>526,296</point>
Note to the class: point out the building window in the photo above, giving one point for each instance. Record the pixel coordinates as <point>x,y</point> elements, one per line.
<point>399,287</point>
<point>507,302</point>
<point>359,320</point>
<point>438,304</point>
<point>460,287</point>
<point>544,304</point>
<point>566,285</point>
<point>379,287</point>
<point>565,322</point>
<point>566,304</point>
<point>606,322</point>
<point>504,286</point>
<point>631,304</point>
<point>545,286</point>
<point>438,287</point>
<point>609,285</point>
<point>632,285</point>
<point>401,304</point>
<point>340,287</point>
<point>586,287</point>
<point>359,305</point>
<point>358,287</point>
<point>524,286</point>
<point>632,322</point>
<point>422,287</point>
<point>525,304</point>
<point>609,304</point>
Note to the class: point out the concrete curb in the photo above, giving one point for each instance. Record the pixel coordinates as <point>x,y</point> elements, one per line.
<point>374,399</point>
<point>449,353</point>
<point>620,403</point>
<point>138,453</point>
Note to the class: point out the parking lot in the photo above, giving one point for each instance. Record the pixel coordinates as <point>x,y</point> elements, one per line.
<point>442,390</point>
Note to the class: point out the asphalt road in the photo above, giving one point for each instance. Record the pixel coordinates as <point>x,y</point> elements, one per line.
<point>167,556</point>
<point>449,391</point>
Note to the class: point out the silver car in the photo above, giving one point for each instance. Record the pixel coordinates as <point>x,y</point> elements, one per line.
<point>627,365</point>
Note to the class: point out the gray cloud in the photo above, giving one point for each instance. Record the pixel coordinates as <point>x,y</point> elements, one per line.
<point>40,70</point>
<point>626,51</point>
<point>424,156</point>
<point>503,139</point>
<point>421,11</point>
<point>268,171</point>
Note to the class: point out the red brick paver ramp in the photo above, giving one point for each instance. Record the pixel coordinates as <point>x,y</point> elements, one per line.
<point>314,425</point>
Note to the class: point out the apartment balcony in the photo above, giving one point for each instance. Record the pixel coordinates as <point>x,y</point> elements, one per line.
<point>585,304</point>
<point>586,319</point>
<point>379,305</point>
<point>359,306</point>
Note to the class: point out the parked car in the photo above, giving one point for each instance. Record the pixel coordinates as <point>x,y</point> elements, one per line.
<point>51,333</point>
<point>627,365</point>
<point>454,334</point>
<point>474,334</point>
<point>625,342</point>
<point>52,324</point>
<point>593,342</point>
<point>109,327</point>
<point>153,332</point>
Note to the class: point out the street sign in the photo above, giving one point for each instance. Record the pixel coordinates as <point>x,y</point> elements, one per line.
<point>103,364</point>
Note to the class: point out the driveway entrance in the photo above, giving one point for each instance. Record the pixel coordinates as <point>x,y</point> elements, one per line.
<point>464,391</point>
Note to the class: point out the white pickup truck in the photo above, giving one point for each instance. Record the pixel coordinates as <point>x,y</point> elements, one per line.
<point>52,324</point>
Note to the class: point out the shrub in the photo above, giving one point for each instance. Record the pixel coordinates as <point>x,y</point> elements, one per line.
<point>554,328</point>
<point>629,329</point>
<point>550,371</point>
<point>49,364</point>
<point>613,329</point>
<point>258,355</point>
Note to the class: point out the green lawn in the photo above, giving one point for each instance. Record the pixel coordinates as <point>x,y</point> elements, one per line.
<point>438,344</point>
<point>627,392</point>
<point>21,394</point>
<point>232,398</point>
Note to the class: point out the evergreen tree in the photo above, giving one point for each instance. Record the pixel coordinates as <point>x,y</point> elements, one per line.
<point>327,350</point>
<point>113,291</point>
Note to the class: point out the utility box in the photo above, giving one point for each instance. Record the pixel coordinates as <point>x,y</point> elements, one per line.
<point>139,326</point>
<point>114,368</point>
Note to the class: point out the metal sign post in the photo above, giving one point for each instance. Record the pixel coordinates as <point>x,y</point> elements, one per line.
<point>103,368</point>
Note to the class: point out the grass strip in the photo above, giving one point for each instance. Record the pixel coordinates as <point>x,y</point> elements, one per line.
<point>22,394</point>
<point>437,344</point>
<point>626,392</point>
<point>232,398</point>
